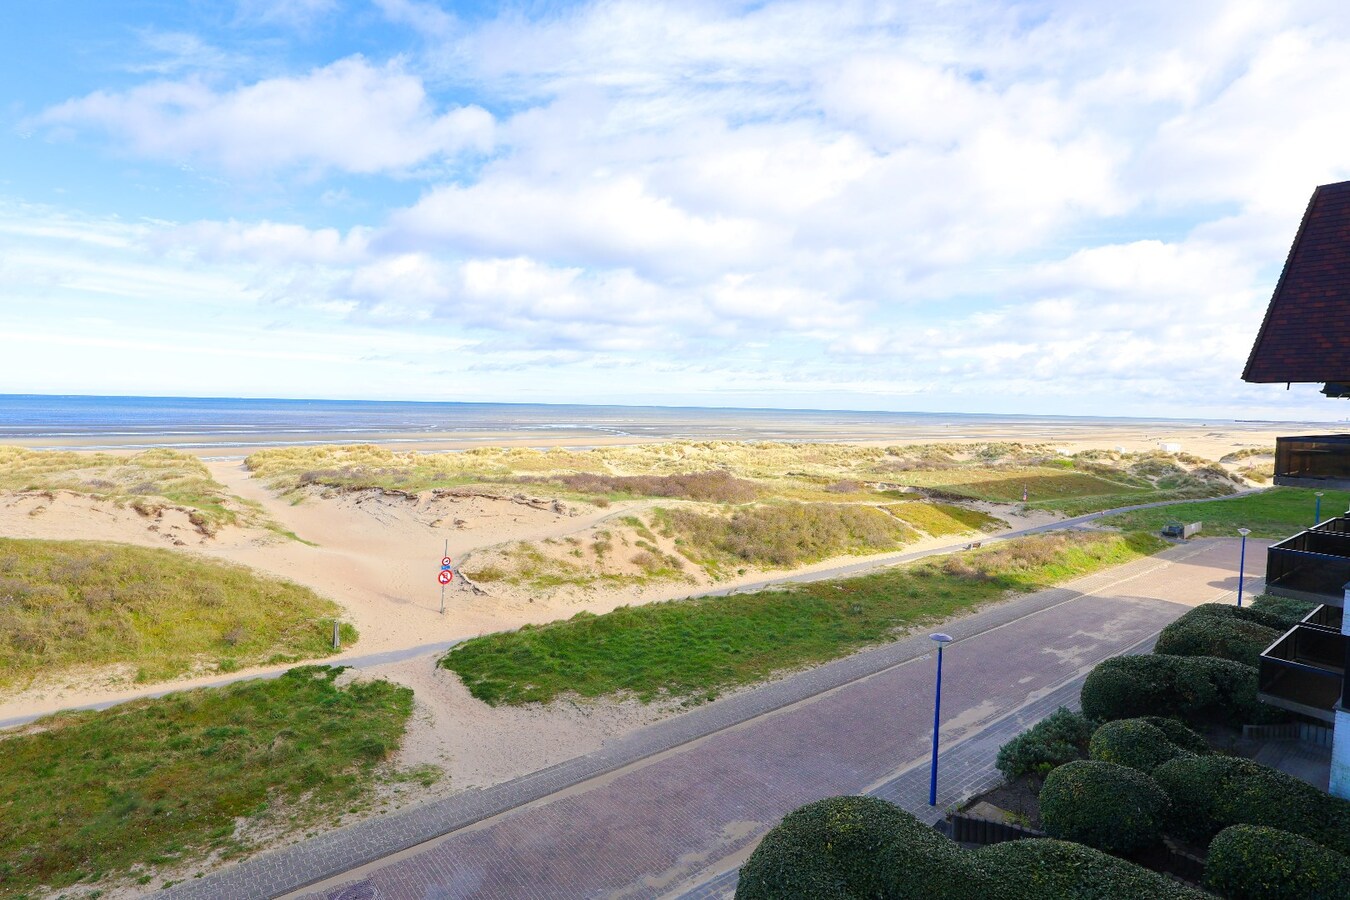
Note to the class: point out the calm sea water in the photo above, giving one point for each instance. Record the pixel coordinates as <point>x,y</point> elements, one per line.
<point>130,422</point>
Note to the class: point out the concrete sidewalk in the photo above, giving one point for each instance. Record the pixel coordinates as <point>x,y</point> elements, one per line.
<point>665,810</point>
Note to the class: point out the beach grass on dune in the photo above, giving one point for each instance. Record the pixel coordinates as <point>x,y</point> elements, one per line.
<point>72,604</point>
<point>158,782</point>
<point>1273,513</point>
<point>140,480</point>
<point>698,647</point>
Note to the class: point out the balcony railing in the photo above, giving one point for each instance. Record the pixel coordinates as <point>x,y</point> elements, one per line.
<point>1312,565</point>
<point>1316,461</point>
<point>1304,671</point>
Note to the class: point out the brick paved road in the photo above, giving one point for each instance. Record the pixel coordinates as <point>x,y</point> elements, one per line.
<point>661,825</point>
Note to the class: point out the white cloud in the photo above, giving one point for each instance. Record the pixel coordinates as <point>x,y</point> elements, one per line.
<point>350,115</point>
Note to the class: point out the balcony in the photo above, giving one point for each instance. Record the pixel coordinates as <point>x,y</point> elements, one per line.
<point>1319,461</point>
<point>1312,565</point>
<point>1304,671</point>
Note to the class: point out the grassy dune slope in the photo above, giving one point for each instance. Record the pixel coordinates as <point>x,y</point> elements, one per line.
<point>142,481</point>
<point>701,646</point>
<point>65,604</point>
<point>153,782</point>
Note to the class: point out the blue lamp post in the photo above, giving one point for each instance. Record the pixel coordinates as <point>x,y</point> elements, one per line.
<point>1242,561</point>
<point>942,640</point>
<point>1318,514</point>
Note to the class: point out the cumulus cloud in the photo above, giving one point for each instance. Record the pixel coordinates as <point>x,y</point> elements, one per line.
<point>351,115</point>
<point>990,200</point>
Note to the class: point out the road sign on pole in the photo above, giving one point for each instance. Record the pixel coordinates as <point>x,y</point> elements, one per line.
<point>445,574</point>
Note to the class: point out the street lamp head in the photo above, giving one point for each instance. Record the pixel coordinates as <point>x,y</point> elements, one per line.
<point>1244,531</point>
<point>1318,494</point>
<point>941,638</point>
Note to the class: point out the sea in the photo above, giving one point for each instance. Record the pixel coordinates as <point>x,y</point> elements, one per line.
<point>93,422</point>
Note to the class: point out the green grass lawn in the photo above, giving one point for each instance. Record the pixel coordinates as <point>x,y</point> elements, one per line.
<point>154,782</point>
<point>1065,489</point>
<point>1275,513</point>
<point>65,604</point>
<point>698,647</point>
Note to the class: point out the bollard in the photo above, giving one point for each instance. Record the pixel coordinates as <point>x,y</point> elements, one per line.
<point>336,641</point>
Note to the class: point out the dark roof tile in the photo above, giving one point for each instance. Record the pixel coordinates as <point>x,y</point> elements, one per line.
<point>1306,333</point>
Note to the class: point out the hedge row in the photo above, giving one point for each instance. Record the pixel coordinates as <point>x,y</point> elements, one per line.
<point>1191,688</point>
<point>1114,808</point>
<point>849,848</point>
<point>1060,737</point>
<point>1210,793</point>
<point>1253,862</point>
<point>1145,743</point>
<point>1222,631</point>
<point>1284,612</point>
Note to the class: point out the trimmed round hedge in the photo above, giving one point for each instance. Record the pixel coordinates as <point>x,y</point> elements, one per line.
<point>1113,808</point>
<point>1225,637</point>
<point>1179,734</point>
<point>861,848</point>
<point>1060,737</point>
<point>1136,743</point>
<point>1046,869</point>
<point>1191,688</point>
<point>850,847</point>
<point>1253,862</point>
<point>1210,793</point>
<point>1280,612</point>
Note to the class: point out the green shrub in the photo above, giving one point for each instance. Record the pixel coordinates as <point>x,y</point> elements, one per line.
<point>1201,632</point>
<point>1045,869</point>
<point>1210,793</point>
<point>1286,611</point>
<point>1179,734</point>
<point>1113,808</point>
<point>847,847</point>
<point>860,848</point>
<point>1271,615</point>
<point>1060,737</point>
<point>1253,862</point>
<point>1134,743</point>
<point>1192,688</point>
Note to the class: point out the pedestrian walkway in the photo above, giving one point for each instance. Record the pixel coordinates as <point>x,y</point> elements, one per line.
<point>660,812</point>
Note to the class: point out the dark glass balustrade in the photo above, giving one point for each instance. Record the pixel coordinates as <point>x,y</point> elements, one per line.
<point>1312,565</point>
<point>1304,671</point>
<point>1321,461</point>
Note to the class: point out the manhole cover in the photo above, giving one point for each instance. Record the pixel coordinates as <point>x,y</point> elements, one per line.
<point>363,890</point>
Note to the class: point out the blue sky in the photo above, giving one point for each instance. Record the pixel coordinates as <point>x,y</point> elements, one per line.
<point>1029,207</point>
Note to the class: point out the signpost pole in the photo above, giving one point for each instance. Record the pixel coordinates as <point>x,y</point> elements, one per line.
<point>444,554</point>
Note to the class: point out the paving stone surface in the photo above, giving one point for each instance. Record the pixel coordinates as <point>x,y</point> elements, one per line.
<point>640,822</point>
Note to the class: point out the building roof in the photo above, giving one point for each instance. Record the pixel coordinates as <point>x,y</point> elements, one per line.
<point>1306,334</point>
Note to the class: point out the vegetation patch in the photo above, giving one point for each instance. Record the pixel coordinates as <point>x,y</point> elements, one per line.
<point>84,796</point>
<point>1254,862</point>
<point>1059,738</point>
<point>700,646</point>
<point>942,519</point>
<point>786,534</point>
<point>1210,793</point>
<point>143,481</point>
<point>1114,808</point>
<point>1195,689</point>
<point>710,487</point>
<point>1228,632</point>
<point>1274,513</point>
<point>850,848</point>
<point>65,604</point>
<point>1141,744</point>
